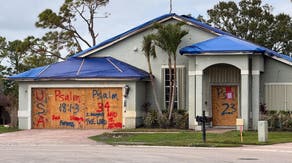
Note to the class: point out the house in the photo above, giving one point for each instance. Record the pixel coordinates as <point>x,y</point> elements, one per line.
<point>107,85</point>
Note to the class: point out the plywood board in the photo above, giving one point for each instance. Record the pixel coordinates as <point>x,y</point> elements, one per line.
<point>224,105</point>
<point>80,108</point>
<point>40,112</point>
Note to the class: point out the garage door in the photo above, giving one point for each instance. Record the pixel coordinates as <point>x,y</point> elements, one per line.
<point>80,108</point>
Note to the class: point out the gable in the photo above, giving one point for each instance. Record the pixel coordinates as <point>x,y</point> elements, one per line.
<point>148,25</point>
<point>206,33</point>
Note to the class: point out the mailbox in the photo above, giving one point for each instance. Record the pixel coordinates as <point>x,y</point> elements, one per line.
<point>201,119</point>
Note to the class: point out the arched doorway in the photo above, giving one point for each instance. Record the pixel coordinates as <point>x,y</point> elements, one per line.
<point>222,86</point>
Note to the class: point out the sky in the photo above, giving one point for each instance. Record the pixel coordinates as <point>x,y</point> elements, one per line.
<point>17,17</point>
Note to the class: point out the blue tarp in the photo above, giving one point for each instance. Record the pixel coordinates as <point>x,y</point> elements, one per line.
<point>78,68</point>
<point>183,17</point>
<point>123,34</point>
<point>30,74</point>
<point>222,44</point>
<point>229,44</point>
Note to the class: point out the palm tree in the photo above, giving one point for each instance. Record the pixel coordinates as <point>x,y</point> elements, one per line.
<point>149,51</point>
<point>168,38</point>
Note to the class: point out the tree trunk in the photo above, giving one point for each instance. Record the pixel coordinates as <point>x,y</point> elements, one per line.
<point>155,96</point>
<point>173,93</point>
<point>154,89</point>
<point>170,81</point>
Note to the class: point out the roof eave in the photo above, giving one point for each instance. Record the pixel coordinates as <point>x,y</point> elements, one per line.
<point>194,25</point>
<point>279,59</point>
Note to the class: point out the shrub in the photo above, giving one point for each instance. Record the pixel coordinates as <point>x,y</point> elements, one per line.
<point>179,120</point>
<point>150,119</point>
<point>163,121</point>
<point>278,119</point>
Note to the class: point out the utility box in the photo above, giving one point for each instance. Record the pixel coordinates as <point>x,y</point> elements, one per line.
<point>262,131</point>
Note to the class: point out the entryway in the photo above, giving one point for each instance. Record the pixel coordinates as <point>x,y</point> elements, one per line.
<point>221,86</point>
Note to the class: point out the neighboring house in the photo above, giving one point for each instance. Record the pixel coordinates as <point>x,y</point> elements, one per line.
<point>106,86</point>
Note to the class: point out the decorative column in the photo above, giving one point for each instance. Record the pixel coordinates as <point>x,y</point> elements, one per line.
<point>255,98</point>
<point>199,96</point>
<point>191,96</point>
<point>245,98</point>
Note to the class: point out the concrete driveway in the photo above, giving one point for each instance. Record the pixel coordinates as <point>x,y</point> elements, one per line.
<point>49,136</point>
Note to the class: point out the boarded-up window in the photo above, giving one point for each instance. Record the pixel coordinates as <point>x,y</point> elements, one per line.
<point>278,96</point>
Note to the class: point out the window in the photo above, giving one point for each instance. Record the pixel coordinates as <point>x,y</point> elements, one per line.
<point>179,101</point>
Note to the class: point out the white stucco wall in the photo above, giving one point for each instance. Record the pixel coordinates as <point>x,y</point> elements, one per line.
<point>276,71</point>
<point>277,85</point>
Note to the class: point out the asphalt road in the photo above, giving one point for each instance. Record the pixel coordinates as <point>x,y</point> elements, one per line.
<point>66,148</point>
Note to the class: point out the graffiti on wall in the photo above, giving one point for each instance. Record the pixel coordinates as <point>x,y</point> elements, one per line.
<point>77,108</point>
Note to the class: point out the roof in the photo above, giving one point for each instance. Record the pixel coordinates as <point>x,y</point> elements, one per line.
<point>230,44</point>
<point>147,25</point>
<point>224,43</point>
<point>84,68</point>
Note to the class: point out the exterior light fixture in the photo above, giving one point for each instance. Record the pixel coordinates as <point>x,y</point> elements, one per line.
<point>126,90</point>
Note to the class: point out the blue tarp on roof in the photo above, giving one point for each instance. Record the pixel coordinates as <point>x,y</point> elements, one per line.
<point>183,17</point>
<point>222,44</point>
<point>30,74</point>
<point>123,34</point>
<point>246,46</point>
<point>203,25</point>
<point>229,44</point>
<point>77,68</point>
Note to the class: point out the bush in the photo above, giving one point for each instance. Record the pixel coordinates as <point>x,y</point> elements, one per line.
<point>278,119</point>
<point>179,120</point>
<point>150,119</point>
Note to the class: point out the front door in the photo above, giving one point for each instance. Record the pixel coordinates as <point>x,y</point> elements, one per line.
<point>224,105</point>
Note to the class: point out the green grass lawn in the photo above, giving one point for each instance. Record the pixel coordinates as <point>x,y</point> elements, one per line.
<point>7,129</point>
<point>228,139</point>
